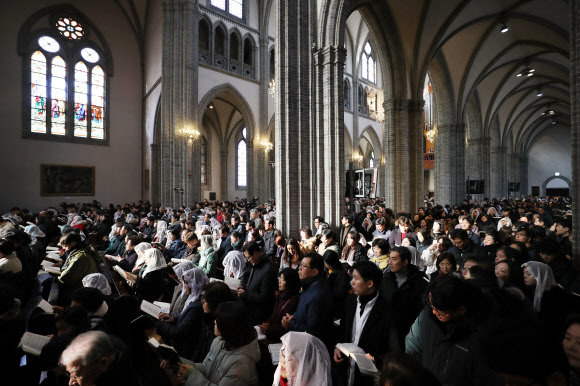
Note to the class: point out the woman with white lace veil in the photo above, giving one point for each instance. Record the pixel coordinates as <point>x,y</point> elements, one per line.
<point>304,361</point>
<point>98,281</point>
<point>140,249</point>
<point>234,264</point>
<point>180,292</point>
<point>161,233</point>
<point>540,275</point>
<point>150,283</point>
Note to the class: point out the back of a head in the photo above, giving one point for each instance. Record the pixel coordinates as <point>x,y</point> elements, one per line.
<point>234,323</point>
<point>87,348</point>
<point>252,247</point>
<point>400,369</point>
<point>88,298</point>
<point>450,293</point>
<point>332,259</point>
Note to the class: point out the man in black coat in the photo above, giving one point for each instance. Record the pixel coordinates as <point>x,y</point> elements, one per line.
<point>367,321</point>
<point>346,227</point>
<point>269,237</point>
<point>403,289</point>
<point>464,248</point>
<point>258,283</point>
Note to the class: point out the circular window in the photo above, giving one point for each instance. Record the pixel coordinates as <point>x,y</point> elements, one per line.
<point>48,44</point>
<point>90,55</point>
<point>70,28</point>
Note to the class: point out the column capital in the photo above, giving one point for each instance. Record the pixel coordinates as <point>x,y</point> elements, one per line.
<point>329,55</point>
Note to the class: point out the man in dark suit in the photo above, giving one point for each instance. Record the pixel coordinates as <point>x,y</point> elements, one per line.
<point>367,322</point>
<point>405,230</point>
<point>346,227</point>
<point>258,283</point>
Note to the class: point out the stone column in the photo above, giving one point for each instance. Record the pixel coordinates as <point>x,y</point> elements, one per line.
<point>524,176</point>
<point>495,173</point>
<point>402,141</point>
<point>575,125</point>
<point>294,87</point>
<point>503,172</point>
<point>155,174</point>
<point>261,174</point>
<point>224,174</point>
<point>179,103</point>
<point>477,163</point>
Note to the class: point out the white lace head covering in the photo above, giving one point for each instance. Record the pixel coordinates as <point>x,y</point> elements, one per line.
<point>77,220</point>
<point>544,280</point>
<point>195,279</point>
<point>98,281</point>
<point>215,224</point>
<point>161,228</point>
<point>312,360</point>
<point>34,232</point>
<point>154,260</point>
<point>235,262</point>
<point>180,268</point>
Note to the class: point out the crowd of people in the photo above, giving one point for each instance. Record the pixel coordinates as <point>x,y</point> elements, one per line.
<point>472,294</point>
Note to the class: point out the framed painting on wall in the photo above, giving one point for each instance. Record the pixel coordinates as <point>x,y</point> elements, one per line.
<point>65,180</point>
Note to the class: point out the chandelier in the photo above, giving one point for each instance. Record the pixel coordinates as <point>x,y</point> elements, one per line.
<point>431,134</point>
<point>267,145</point>
<point>191,133</point>
<point>272,88</point>
<point>380,115</point>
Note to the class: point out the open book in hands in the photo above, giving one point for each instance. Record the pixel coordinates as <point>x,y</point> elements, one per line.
<point>365,365</point>
<point>120,271</point>
<point>33,343</point>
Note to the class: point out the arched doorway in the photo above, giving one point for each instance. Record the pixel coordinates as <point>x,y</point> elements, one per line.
<point>553,186</point>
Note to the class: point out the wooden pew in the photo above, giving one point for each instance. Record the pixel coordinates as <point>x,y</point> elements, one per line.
<point>117,283</point>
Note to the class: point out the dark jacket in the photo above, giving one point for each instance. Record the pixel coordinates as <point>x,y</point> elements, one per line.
<point>129,260</point>
<point>406,301</point>
<point>221,252</point>
<point>451,351</point>
<point>205,338</point>
<point>151,286</point>
<point>259,282</point>
<point>174,249</point>
<point>314,312</point>
<point>360,253</point>
<point>343,232</point>
<point>471,250</point>
<point>184,332</point>
<point>269,246</point>
<point>286,303</point>
<point>114,245</point>
<point>339,283</point>
<point>378,337</point>
<point>564,272</point>
<point>396,237</point>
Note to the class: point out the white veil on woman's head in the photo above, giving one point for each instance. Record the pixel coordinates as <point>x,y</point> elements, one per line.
<point>195,279</point>
<point>154,260</point>
<point>34,232</point>
<point>544,280</point>
<point>98,281</point>
<point>235,262</point>
<point>180,268</point>
<point>313,361</point>
<point>161,228</point>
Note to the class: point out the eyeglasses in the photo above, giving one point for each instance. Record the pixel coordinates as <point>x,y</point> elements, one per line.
<point>303,266</point>
<point>440,313</point>
<point>72,375</point>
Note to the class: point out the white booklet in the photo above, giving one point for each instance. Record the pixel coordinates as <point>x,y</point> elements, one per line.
<point>150,308</point>
<point>51,248</point>
<point>177,261</point>
<point>46,263</point>
<point>232,283</point>
<point>45,306</point>
<point>116,258</point>
<point>120,271</point>
<point>365,365</point>
<point>260,335</point>
<point>347,262</point>
<point>165,307</point>
<point>29,223</point>
<point>33,343</point>
<point>55,270</point>
<point>275,352</point>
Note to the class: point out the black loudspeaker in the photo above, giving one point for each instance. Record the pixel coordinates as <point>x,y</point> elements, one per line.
<point>212,196</point>
<point>514,187</point>
<point>475,186</point>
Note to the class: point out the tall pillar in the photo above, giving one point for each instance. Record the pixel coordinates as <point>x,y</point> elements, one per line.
<point>477,162</point>
<point>524,176</point>
<point>575,122</point>
<point>503,172</point>
<point>460,176</point>
<point>402,141</point>
<point>495,173</point>
<point>180,166</point>
<point>294,87</point>
<point>224,174</point>
<point>261,174</point>
<point>450,164</point>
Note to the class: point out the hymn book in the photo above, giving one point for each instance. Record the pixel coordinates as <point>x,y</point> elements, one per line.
<point>275,352</point>
<point>120,271</point>
<point>45,306</point>
<point>55,270</point>
<point>33,343</point>
<point>365,365</point>
<point>178,261</point>
<point>232,283</point>
<point>51,248</point>
<point>150,309</point>
<point>116,258</point>
<point>164,307</point>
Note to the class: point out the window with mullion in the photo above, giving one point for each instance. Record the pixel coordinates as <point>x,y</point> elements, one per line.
<point>231,7</point>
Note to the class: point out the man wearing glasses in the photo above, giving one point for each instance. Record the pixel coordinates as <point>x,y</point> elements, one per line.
<point>314,312</point>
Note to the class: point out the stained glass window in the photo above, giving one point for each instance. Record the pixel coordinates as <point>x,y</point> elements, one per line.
<point>97,103</point>
<point>57,107</point>
<point>38,93</point>
<point>203,161</point>
<point>69,28</point>
<point>368,65</point>
<point>58,96</point>
<point>221,4</point>
<point>81,99</point>
<point>233,7</point>
<point>242,161</point>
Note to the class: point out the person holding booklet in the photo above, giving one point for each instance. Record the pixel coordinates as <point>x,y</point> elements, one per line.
<point>149,284</point>
<point>367,323</point>
<point>183,331</point>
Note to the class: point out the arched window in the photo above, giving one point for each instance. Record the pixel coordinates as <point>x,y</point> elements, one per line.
<point>361,96</point>
<point>272,63</point>
<point>233,7</point>
<point>204,37</point>
<point>66,86</point>
<point>428,116</point>
<point>346,92</point>
<point>372,160</point>
<point>234,47</point>
<point>242,175</point>
<point>248,52</point>
<point>220,41</point>
<point>368,65</point>
<point>203,156</point>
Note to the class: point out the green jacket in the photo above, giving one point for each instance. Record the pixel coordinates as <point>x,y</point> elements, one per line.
<point>208,261</point>
<point>81,262</point>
